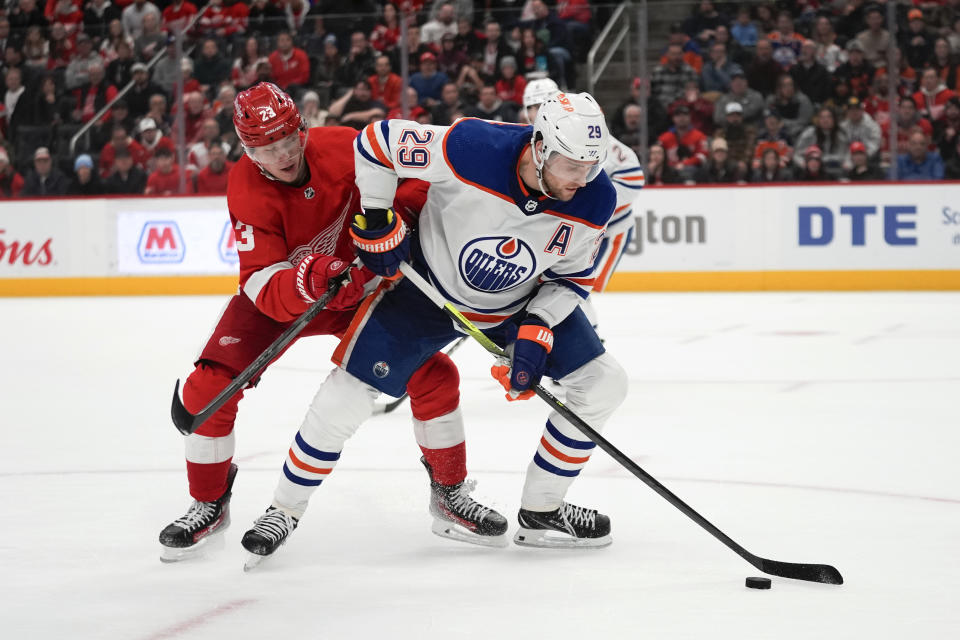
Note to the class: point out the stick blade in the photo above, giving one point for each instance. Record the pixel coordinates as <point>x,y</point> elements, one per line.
<point>185,422</point>
<point>822,573</point>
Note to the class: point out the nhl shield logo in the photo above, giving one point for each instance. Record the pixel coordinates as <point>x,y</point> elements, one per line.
<point>531,205</point>
<point>308,193</point>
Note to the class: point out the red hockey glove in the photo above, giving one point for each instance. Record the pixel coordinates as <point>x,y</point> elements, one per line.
<point>315,273</point>
<point>381,240</point>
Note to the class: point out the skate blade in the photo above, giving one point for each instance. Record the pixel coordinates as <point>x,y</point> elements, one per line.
<point>253,561</point>
<point>549,539</point>
<point>206,546</point>
<point>447,529</point>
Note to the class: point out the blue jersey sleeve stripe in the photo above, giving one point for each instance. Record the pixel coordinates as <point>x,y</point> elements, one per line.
<point>385,130</point>
<point>635,187</point>
<point>366,155</point>
<point>579,274</point>
<point>629,170</point>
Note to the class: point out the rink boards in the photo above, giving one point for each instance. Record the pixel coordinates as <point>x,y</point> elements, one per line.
<point>735,238</point>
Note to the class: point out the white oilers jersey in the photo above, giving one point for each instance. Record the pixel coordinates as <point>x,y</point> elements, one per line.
<point>623,168</point>
<point>491,246</point>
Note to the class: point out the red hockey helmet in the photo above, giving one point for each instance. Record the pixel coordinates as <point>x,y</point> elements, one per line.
<point>264,114</point>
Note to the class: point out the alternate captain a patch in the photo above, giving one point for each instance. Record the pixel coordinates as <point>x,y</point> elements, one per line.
<point>496,263</point>
<point>560,240</point>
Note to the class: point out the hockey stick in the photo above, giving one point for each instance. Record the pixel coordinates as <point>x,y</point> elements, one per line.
<point>387,407</point>
<point>799,571</point>
<point>186,422</point>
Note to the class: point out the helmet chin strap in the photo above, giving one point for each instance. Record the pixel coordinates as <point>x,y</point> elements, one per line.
<point>539,166</point>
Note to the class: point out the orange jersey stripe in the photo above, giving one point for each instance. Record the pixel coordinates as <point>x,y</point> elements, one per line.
<point>608,268</point>
<point>483,317</point>
<point>303,465</point>
<point>561,456</point>
<point>381,156</point>
<point>358,318</point>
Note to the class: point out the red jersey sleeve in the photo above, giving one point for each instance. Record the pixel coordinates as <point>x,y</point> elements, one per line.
<point>266,274</point>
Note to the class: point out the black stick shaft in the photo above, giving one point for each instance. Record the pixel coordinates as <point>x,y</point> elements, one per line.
<point>810,572</point>
<point>186,422</point>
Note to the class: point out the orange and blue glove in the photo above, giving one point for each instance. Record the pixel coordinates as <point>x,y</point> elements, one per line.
<point>381,241</point>
<point>534,341</point>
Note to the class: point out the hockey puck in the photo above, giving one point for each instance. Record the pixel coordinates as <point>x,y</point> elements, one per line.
<point>758,583</point>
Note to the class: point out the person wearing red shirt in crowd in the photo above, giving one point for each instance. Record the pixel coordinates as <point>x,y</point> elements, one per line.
<point>932,96</point>
<point>908,118</point>
<point>218,21</point>
<point>119,139</point>
<point>165,179</point>
<point>384,84</point>
<point>686,147</point>
<point>701,109</point>
<point>196,112</point>
<point>290,198</point>
<point>11,182</point>
<point>290,64</point>
<point>66,12</point>
<point>152,140</point>
<point>510,86</point>
<point>94,95</point>
<point>386,34</point>
<point>178,14</point>
<point>212,179</point>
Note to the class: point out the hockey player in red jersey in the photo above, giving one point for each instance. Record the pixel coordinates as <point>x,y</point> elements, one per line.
<point>290,199</point>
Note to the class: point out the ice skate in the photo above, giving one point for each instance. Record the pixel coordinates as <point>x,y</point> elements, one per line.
<point>269,532</point>
<point>200,529</point>
<point>459,517</point>
<point>568,527</point>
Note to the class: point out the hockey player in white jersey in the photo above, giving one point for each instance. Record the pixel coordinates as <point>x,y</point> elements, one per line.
<point>509,233</point>
<point>624,170</point>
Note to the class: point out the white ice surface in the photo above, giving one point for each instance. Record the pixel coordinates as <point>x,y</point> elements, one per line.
<point>809,427</point>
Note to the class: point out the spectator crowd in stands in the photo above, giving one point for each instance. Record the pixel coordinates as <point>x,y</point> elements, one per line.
<point>798,91</point>
<point>742,92</point>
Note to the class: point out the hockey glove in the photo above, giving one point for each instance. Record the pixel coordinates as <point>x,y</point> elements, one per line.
<point>317,272</point>
<point>534,342</point>
<point>381,240</point>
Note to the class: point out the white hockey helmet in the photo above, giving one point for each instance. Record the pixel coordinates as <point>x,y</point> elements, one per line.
<point>570,126</point>
<point>536,93</point>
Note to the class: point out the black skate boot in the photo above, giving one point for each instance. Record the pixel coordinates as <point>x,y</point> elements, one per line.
<point>459,517</point>
<point>567,527</point>
<point>186,536</point>
<point>269,532</point>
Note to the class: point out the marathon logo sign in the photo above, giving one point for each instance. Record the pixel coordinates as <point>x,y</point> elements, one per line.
<point>497,263</point>
<point>228,245</point>
<point>161,243</point>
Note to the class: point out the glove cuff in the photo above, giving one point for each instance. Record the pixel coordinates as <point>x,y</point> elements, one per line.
<point>303,271</point>
<point>536,333</point>
<point>376,241</point>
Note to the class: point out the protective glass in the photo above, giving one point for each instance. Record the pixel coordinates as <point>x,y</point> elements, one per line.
<point>569,170</point>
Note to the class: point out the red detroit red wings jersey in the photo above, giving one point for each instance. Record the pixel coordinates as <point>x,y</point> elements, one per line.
<point>277,225</point>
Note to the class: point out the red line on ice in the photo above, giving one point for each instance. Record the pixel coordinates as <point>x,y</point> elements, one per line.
<point>198,620</point>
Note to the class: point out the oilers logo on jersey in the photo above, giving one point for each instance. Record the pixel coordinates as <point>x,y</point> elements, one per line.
<point>496,263</point>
